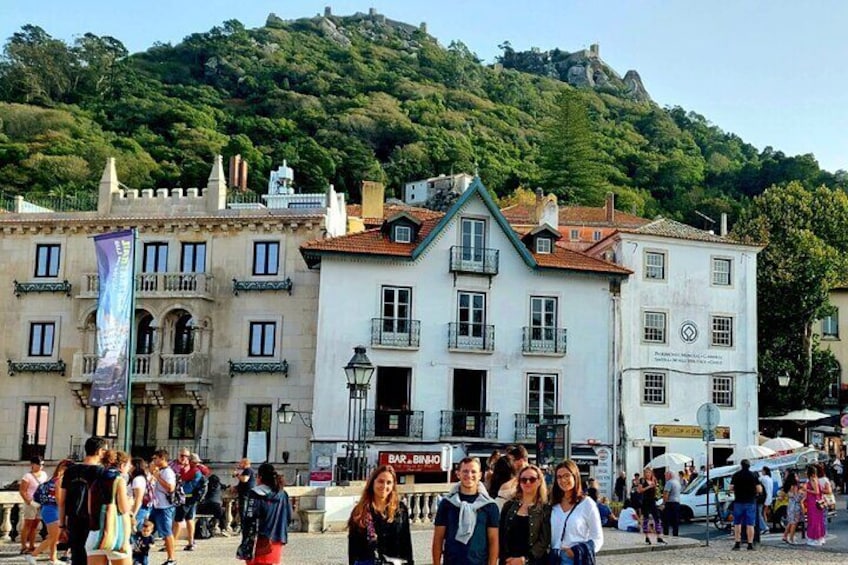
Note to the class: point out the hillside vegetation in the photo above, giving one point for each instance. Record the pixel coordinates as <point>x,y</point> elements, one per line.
<point>344,99</point>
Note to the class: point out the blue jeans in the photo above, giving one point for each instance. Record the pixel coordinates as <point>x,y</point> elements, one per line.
<point>761,518</point>
<point>564,559</point>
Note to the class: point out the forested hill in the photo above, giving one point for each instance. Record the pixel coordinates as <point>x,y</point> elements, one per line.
<point>350,98</point>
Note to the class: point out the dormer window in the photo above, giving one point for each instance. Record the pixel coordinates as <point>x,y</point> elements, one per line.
<point>403,234</point>
<point>543,245</point>
<point>575,235</point>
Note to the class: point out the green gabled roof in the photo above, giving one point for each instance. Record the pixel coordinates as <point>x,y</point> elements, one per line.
<point>477,188</point>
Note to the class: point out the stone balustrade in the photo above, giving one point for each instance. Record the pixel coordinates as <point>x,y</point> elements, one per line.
<point>8,500</point>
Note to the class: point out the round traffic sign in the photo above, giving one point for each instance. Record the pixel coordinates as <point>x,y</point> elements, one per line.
<point>709,416</point>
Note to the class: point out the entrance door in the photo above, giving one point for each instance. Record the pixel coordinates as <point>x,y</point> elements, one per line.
<point>469,403</point>
<point>34,441</point>
<point>144,431</point>
<point>392,416</point>
<point>258,419</point>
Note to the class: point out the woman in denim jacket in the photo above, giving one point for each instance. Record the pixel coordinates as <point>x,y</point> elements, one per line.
<point>267,517</point>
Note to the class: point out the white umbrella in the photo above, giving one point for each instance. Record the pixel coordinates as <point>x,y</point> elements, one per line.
<point>783,444</point>
<point>669,460</point>
<point>751,452</point>
<point>805,415</point>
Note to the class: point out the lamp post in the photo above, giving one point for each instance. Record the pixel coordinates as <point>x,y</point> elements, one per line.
<point>358,372</point>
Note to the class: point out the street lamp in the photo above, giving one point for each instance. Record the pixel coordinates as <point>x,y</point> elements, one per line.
<point>783,380</point>
<point>358,372</point>
<point>285,415</point>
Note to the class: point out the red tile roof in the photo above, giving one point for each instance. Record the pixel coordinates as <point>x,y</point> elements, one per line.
<point>389,210</point>
<point>563,258</point>
<point>521,214</point>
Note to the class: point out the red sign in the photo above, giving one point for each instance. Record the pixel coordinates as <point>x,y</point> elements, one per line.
<point>321,476</point>
<point>412,461</point>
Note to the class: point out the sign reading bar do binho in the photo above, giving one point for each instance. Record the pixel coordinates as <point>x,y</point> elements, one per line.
<point>412,461</point>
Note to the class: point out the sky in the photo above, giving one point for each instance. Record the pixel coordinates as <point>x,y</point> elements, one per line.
<point>770,71</point>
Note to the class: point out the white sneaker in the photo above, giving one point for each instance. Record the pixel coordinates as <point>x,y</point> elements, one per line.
<point>29,559</point>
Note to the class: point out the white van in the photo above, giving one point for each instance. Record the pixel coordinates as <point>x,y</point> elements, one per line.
<point>693,499</point>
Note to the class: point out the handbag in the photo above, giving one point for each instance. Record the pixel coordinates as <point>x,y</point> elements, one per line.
<point>555,556</point>
<point>115,527</point>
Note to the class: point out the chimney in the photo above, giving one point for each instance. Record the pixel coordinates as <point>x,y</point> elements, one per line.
<point>216,187</point>
<point>108,187</point>
<point>550,212</point>
<point>537,207</point>
<point>233,170</point>
<point>373,194</point>
<point>609,207</point>
<point>242,184</point>
<point>723,228</point>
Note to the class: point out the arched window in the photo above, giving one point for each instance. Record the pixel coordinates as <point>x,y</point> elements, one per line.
<point>144,336</point>
<point>184,335</point>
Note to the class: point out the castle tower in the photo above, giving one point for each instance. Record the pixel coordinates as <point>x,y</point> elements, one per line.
<point>108,187</point>
<point>216,187</point>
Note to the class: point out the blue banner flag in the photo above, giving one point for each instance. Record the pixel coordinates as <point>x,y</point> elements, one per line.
<point>115,312</point>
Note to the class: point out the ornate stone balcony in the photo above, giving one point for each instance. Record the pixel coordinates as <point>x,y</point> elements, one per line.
<point>160,368</point>
<point>159,285</point>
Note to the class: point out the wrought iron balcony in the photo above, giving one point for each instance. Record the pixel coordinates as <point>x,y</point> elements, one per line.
<point>261,286</point>
<point>395,332</point>
<point>42,286</point>
<point>159,285</point>
<point>36,367</point>
<point>166,368</point>
<point>526,424</point>
<point>407,424</point>
<point>468,336</point>
<point>544,341</point>
<point>269,367</point>
<point>463,424</point>
<point>474,260</point>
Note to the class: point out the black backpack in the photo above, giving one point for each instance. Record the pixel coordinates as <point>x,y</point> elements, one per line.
<point>201,489</point>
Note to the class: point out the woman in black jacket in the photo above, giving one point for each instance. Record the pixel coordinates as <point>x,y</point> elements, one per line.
<point>378,527</point>
<point>525,527</point>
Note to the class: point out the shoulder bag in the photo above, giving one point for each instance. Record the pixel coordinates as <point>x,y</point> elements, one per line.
<point>555,556</point>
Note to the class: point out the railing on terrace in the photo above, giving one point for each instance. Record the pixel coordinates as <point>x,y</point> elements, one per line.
<point>394,423</point>
<point>395,332</point>
<point>468,336</point>
<point>550,341</point>
<point>170,366</point>
<point>474,260</point>
<point>162,285</point>
<point>460,423</point>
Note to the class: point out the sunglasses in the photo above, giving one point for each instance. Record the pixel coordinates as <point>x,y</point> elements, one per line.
<point>530,480</point>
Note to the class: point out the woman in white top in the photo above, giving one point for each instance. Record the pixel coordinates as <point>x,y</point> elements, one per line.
<point>31,516</point>
<point>575,521</point>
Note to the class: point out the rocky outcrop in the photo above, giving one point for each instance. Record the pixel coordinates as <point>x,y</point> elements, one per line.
<point>635,88</point>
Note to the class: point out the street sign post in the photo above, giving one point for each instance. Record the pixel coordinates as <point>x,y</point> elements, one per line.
<point>709,417</point>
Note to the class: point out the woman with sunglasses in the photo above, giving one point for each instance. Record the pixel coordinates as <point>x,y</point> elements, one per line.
<point>525,526</point>
<point>576,532</point>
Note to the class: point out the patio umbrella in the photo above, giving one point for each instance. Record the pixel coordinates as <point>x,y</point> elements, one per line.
<point>761,439</point>
<point>750,452</point>
<point>669,460</point>
<point>805,415</point>
<point>783,444</point>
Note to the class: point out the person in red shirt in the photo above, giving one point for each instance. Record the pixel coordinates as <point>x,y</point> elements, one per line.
<point>190,476</point>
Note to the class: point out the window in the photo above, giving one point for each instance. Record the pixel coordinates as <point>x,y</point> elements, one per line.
<point>596,235</point>
<point>184,335</point>
<point>263,336</point>
<point>471,314</point>
<point>397,309</point>
<point>543,245</point>
<point>403,234</point>
<point>721,271</point>
<point>473,239</point>
<point>543,318</point>
<point>722,331</point>
<point>181,422</point>
<point>257,419</point>
<point>266,257</point>
<point>830,325</point>
<point>541,396</point>
<point>41,336</point>
<point>654,327</point>
<point>655,265</point>
<point>47,260</point>
<point>36,419</point>
<point>155,258</point>
<point>106,421</point>
<point>653,388</point>
<point>193,259</point>
<point>574,235</point>
<point>722,390</point>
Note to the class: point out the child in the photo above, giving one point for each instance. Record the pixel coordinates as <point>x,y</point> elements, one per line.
<point>142,543</point>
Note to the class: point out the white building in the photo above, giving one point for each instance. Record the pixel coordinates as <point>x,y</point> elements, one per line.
<point>466,323</point>
<point>419,191</point>
<point>686,335</point>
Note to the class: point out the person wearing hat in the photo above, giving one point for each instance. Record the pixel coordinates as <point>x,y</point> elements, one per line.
<point>745,486</point>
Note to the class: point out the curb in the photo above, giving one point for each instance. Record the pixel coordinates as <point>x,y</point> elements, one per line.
<point>649,548</point>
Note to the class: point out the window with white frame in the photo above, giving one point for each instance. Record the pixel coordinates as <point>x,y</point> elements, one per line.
<point>722,390</point>
<point>403,234</point>
<point>654,327</point>
<point>41,338</point>
<point>541,396</point>
<point>596,235</point>
<point>653,387</point>
<point>722,331</point>
<point>830,325</point>
<point>396,309</point>
<point>47,260</point>
<point>722,270</point>
<point>543,245</point>
<point>263,338</point>
<point>655,265</point>
<point>575,235</point>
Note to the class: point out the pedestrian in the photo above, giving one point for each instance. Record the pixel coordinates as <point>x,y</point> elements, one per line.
<point>794,511</point>
<point>608,519</point>
<point>503,481</point>
<point>520,457</point>
<point>466,524</point>
<point>213,504</point>
<point>525,522</point>
<point>620,486</point>
<point>109,536</point>
<point>650,513</point>
<point>816,508</point>
<point>766,498</point>
<point>30,512</point>
<point>265,529</point>
<point>628,518</point>
<point>378,527</point>
<point>191,478</point>
<point>50,515</point>
<point>139,493</point>
<point>576,533</point>
<point>745,486</point>
<point>671,504</point>
<point>635,496</point>
<point>684,482</point>
<point>490,465</point>
<point>246,480</point>
<point>162,512</point>
<point>142,544</point>
<point>73,498</point>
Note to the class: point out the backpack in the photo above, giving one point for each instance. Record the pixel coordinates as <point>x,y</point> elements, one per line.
<point>76,498</point>
<point>42,493</point>
<point>201,489</point>
<point>147,497</point>
<point>177,497</point>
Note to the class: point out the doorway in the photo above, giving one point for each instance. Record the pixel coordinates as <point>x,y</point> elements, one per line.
<point>469,403</point>
<point>392,416</point>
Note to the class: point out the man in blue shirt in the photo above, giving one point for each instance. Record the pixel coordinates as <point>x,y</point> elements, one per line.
<point>466,525</point>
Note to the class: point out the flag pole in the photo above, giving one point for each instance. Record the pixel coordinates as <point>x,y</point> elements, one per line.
<point>130,349</point>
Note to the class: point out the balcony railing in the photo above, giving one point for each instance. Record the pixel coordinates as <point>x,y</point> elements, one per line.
<point>159,285</point>
<point>15,367</point>
<point>546,341</point>
<point>407,424</point>
<point>526,424</point>
<point>42,286</point>
<point>395,332</point>
<point>474,260</point>
<point>458,423</point>
<point>163,367</point>
<point>468,336</point>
